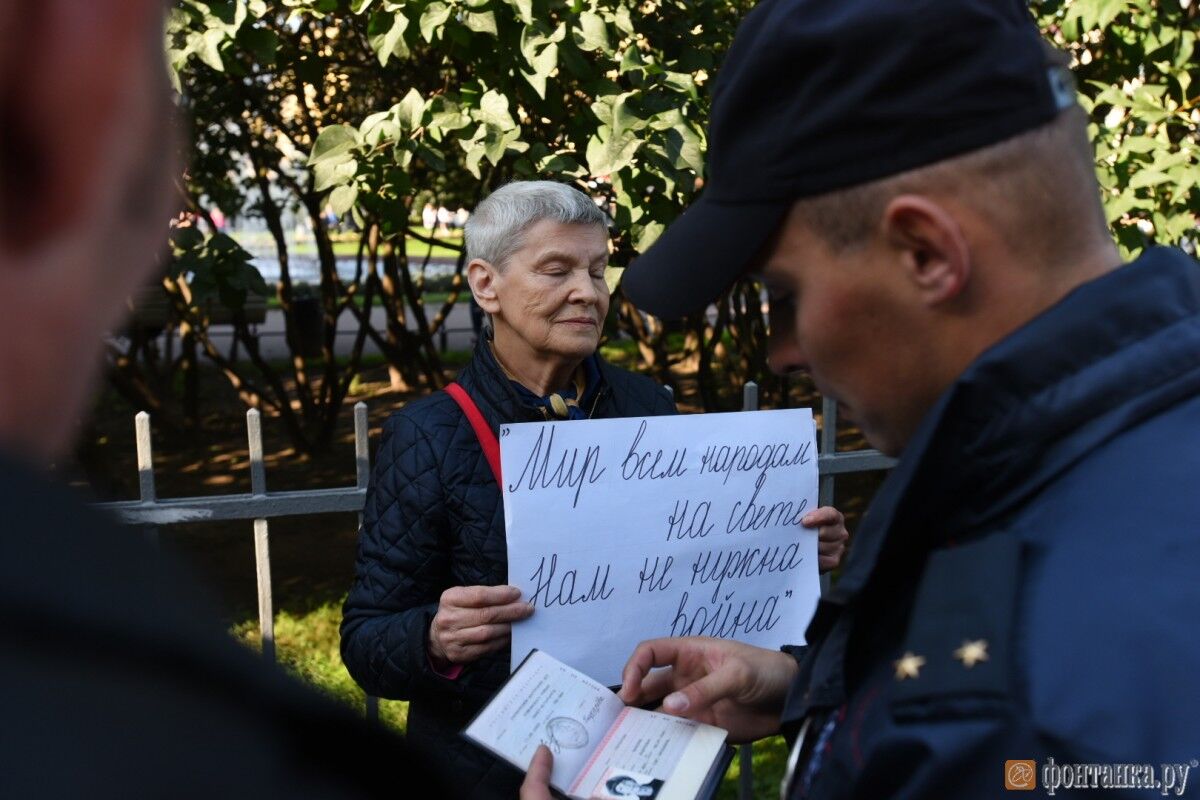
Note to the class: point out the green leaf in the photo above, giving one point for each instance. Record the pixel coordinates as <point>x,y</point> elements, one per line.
<point>1164,159</point>
<point>1140,144</point>
<point>332,141</point>
<point>607,154</point>
<point>648,235</point>
<point>410,110</point>
<point>224,11</point>
<point>208,48</point>
<point>612,277</point>
<point>683,145</point>
<point>1177,227</point>
<point>1148,177</point>
<point>631,60</point>
<point>1095,13</point>
<point>1187,44</point>
<point>482,22</point>
<point>474,148</point>
<point>334,171</point>
<point>592,33</point>
<point>379,128</point>
<point>359,6</point>
<point>524,9</point>
<point>542,64</point>
<point>445,115</point>
<point>432,158</point>
<point>493,110</point>
<point>624,21</point>
<point>561,164</point>
<point>497,142</point>
<point>342,198</point>
<point>385,34</point>
<point>433,17</point>
<point>1117,207</point>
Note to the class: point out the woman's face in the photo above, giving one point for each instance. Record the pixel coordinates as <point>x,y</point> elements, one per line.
<point>549,302</point>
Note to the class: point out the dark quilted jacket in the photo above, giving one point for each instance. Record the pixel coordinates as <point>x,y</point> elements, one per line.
<point>434,519</point>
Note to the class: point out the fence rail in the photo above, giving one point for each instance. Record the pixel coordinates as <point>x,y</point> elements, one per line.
<point>260,506</point>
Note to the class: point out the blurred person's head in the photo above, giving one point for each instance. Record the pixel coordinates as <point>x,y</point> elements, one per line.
<point>86,144</point>
<point>537,252</point>
<point>914,183</point>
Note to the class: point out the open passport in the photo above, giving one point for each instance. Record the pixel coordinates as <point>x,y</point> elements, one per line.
<point>602,748</point>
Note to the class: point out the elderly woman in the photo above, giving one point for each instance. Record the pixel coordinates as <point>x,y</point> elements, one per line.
<point>428,618</point>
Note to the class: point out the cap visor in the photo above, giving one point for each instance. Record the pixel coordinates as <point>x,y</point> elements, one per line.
<point>699,256</point>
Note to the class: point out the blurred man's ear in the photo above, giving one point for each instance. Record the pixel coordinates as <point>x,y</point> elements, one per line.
<point>64,69</point>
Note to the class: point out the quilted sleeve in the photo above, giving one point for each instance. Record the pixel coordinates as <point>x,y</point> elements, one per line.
<point>664,403</point>
<point>401,569</point>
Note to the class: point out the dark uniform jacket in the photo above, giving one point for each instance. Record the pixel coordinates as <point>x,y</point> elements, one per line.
<point>1048,508</point>
<point>117,680</point>
<point>434,519</point>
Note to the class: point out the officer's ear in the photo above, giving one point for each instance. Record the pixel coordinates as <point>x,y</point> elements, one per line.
<point>482,276</point>
<point>931,246</point>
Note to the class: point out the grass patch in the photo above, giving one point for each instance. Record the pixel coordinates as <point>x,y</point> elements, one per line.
<point>306,644</point>
<point>769,763</point>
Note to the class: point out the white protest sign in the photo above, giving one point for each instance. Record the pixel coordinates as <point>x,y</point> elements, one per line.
<point>621,530</point>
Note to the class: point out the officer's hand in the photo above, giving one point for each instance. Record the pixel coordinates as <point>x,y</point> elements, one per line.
<point>472,621</point>
<point>734,686</point>
<point>536,785</point>
<point>831,535</point>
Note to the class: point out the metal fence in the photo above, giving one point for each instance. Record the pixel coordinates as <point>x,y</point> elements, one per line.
<point>260,505</point>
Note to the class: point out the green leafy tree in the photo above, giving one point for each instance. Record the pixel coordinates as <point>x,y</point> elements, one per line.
<point>1135,61</point>
<point>612,96</point>
<point>368,105</point>
<point>257,81</point>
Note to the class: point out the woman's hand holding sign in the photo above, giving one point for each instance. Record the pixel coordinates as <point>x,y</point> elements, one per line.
<point>831,535</point>
<point>472,621</point>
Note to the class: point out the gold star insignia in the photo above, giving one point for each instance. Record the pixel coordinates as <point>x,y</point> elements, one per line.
<point>909,666</point>
<point>971,653</point>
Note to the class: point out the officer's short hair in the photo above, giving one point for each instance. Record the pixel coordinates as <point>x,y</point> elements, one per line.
<point>1035,186</point>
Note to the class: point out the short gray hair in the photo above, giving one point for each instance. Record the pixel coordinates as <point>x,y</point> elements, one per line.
<point>496,228</point>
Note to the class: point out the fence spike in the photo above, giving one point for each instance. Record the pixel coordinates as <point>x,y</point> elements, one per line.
<point>145,464</point>
<point>262,542</point>
<point>362,454</point>
<point>746,765</point>
<point>145,457</point>
<point>258,470</point>
<point>266,602</point>
<point>750,396</point>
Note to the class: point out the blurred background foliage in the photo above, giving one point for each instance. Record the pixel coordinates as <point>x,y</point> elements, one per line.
<point>362,110</point>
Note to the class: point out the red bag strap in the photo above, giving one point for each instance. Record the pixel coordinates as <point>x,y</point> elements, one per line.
<point>483,431</point>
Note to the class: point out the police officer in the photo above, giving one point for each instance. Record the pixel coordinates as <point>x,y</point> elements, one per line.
<point>914,184</point>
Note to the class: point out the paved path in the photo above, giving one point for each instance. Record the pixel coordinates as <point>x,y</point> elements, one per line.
<point>459,335</point>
